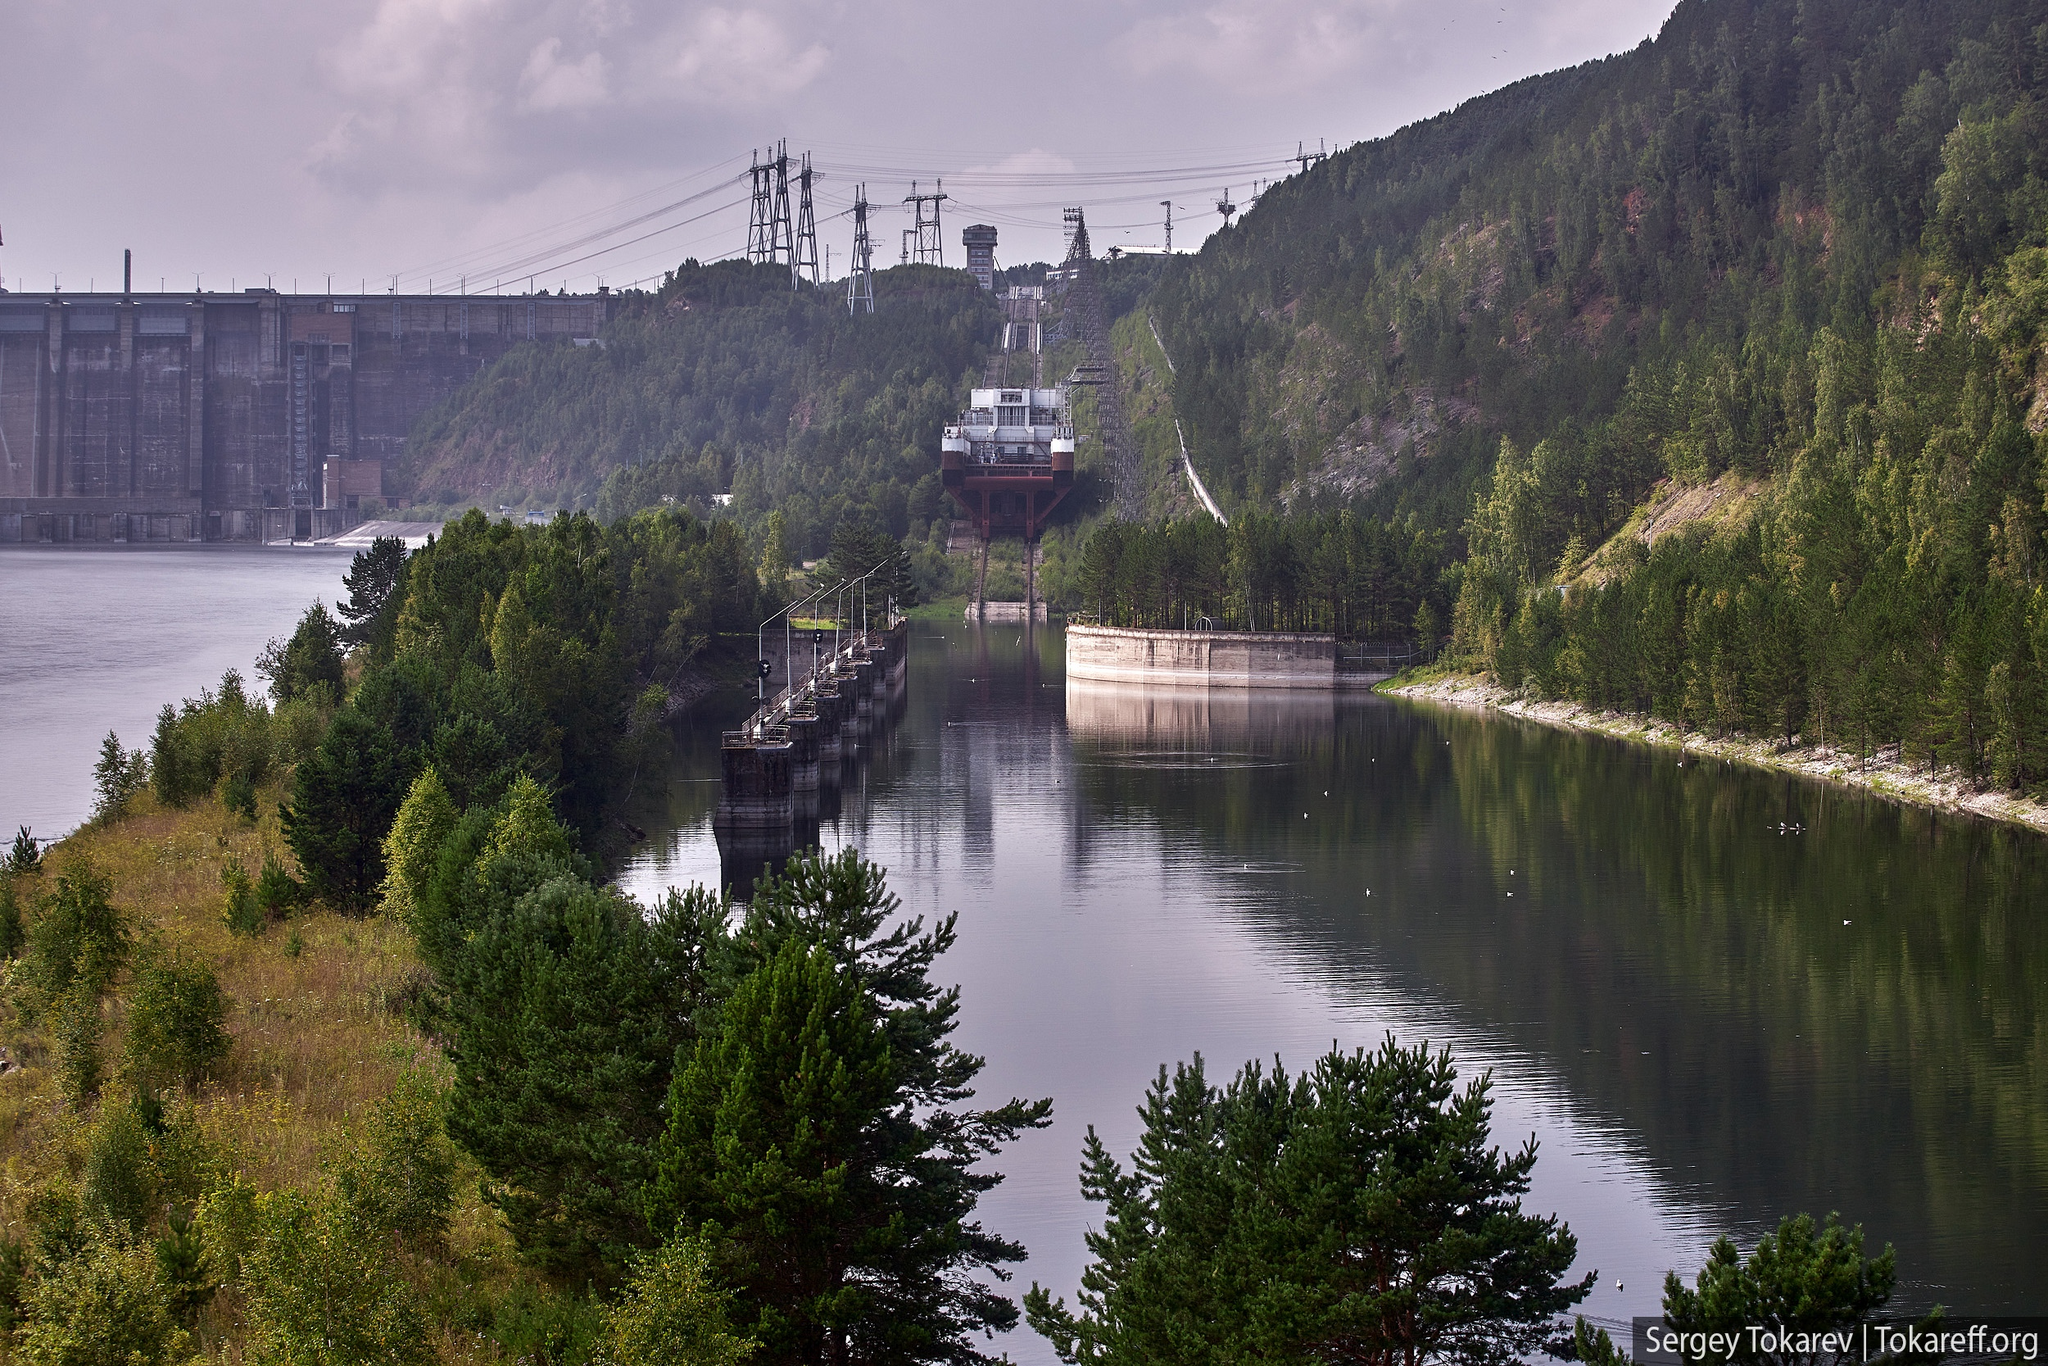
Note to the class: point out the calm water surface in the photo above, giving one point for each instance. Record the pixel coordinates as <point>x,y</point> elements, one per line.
<point>1706,1022</point>
<point>99,639</point>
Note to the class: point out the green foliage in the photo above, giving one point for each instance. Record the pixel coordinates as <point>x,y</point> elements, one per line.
<point>119,1189</point>
<point>25,855</point>
<point>413,848</point>
<point>376,590</point>
<point>400,1178</point>
<point>862,549</point>
<point>219,735</point>
<point>311,660</point>
<point>1337,572</point>
<point>343,800</point>
<point>116,778</point>
<point>105,1306</point>
<point>13,932</point>
<point>758,1157</point>
<point>322,1289</point>
<point>1357,1210</point>
<point>278,893</point>
<point>76,1026</point>
<point>1797,1280</point>
<point>566,1007</point>
<point>798,1120</point>
<point>78,941</point>
<point>177,1021</point>
<point>671,1313</point>
<point>727,381</point>
<point>183,1269</point>
<point>240,911</point>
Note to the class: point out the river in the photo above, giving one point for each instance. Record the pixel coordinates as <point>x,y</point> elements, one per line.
<point>1706,1022</point>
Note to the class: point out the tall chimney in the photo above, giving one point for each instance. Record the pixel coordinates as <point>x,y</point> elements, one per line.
<point>127,271</point>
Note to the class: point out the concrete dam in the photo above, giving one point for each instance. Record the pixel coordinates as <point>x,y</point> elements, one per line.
<point>234,417</point>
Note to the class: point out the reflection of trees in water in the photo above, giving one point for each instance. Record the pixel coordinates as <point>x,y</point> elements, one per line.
<point>1679,963</point>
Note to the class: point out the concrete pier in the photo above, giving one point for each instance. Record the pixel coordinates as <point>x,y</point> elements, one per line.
<point>786,769</point>
<point>1214,659</point>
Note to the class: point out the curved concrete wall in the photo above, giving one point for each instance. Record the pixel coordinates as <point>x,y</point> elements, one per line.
<point>1202,659</point>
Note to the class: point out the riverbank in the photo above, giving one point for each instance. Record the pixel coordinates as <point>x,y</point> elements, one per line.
<point>316,1012</point>
<point>1887,778</point>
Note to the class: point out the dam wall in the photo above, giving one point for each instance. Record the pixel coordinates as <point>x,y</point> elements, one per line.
<point>216,416</point>
<point>1210,659</point>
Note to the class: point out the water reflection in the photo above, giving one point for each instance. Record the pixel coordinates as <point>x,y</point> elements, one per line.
<point>1662,983</point>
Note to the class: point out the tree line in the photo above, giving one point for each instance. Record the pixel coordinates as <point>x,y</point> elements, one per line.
<point>1342,572</point>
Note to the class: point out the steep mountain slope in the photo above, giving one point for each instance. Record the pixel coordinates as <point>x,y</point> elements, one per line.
<point>1723,356</point>
<point>1691,212</point>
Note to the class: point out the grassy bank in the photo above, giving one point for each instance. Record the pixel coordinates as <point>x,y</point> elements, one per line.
<point>1889,778</point>
<point>318,1039</point>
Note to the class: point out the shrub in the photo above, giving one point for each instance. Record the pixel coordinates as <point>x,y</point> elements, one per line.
<point>319,1289</point>
<point>238,794</point>
<point>75,1022</point>
<point>277,891</point>
<point>671,1314</point>
<point>218,735</point>
<point>107,1304</point>
<point>401,1178</point>
<point>13,934</point>
<point>78,939</point>
<point>177,1021</point>
<point>183,1267</point>
<point>239,910</point>
<point>119,1188</point>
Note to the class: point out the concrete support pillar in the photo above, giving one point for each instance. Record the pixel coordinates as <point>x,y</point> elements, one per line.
<point>195,399</point>
<point>756,792</point>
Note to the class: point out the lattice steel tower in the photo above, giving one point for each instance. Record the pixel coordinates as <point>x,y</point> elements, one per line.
<point>782,242</point>
<point>761,215</point>
<point>804,255</point>
<point>930,248</point>
<point>860,285</point>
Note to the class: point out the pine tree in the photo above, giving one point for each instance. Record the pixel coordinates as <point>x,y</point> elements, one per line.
<point>344,797</point>
<point>374,580</point>
<point>817,1137</point>
<point>1353,1214</point>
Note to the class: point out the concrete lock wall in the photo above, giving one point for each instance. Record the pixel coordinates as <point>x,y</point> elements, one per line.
<point>1203,659</point>
<point>211,408</point>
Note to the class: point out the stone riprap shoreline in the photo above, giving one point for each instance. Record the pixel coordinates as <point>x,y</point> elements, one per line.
<point>1886,777</point>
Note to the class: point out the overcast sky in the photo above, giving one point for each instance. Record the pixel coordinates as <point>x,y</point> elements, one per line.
<point>433,139</point>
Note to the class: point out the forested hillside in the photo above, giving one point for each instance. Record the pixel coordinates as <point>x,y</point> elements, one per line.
<point>725,380</point>
<point>1723,356</point>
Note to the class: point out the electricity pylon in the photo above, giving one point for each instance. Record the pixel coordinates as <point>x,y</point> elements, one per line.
<point>930,247</point>
<point>860,285</point>
<point>761,216</point>
<point>804,255</point>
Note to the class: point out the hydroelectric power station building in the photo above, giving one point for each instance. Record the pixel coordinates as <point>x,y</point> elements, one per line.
<point>233,417</point>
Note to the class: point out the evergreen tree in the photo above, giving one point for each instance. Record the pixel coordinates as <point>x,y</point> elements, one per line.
<point>344,797</point>
<point>1355,1213</point>
<point>817,1137</point>
<point>310,659</point>
<point>375,583</point>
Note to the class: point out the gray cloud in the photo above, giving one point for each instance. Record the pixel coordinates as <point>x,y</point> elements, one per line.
<point>366,137</point>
